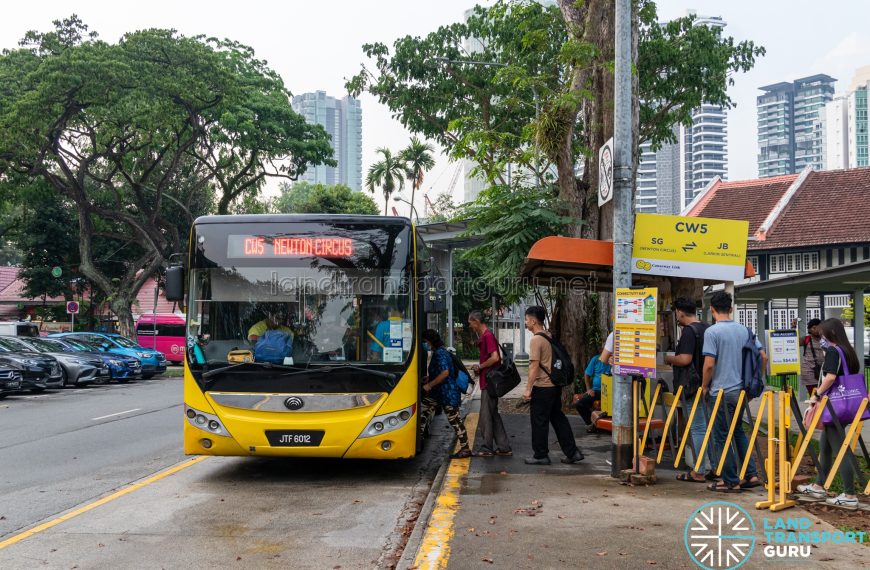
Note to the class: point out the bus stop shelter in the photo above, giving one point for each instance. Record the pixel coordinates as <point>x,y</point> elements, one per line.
<point>852,279</point>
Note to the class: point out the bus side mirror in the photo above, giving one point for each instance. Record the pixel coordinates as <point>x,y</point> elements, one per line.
<point>434,294</point>
<point>175,283</point>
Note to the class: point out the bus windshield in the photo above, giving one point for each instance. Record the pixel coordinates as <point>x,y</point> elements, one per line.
<point>300,293</point>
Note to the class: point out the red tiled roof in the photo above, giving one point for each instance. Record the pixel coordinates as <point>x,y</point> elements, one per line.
<point>830,207</point>
<point>8,274</point>
<point>146,300</point>
<point>13,292</point>
<point>750,200</point>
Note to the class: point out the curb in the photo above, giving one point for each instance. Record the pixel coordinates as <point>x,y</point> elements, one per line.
<point>412,547</point>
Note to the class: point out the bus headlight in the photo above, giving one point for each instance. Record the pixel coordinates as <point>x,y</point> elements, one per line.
<point>386,423</point>
<point>209,423</point>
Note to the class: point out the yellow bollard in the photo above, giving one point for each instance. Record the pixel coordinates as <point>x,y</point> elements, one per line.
<point>853,428</point>
<point>768,463</point>
<point>649,417</point>
<point>674,406</point>
<point>685,437</point>
<point>710,425</point>
<point>735,421</point>
<point>764,397</point>
<point>784,466</point>
<point>634,407</point>
<point>806,441</point>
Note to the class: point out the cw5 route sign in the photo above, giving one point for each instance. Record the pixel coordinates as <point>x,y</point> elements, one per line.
<point>677,246</point>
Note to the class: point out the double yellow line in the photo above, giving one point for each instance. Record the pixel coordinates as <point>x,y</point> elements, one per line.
<point>99,502</point>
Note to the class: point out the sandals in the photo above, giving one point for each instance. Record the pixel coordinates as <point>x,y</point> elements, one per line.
<point>461,454</point>
<point>750,484</point>
<point>723,487</point>
<point>687,477</point>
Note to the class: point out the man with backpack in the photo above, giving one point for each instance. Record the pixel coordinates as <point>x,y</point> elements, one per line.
<point>726,353</point>
<point>550,370</point>
<point>687,363</point>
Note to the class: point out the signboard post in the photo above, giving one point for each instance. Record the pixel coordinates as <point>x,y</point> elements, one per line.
<point>784,350</point>
<point>605,173</point>
<point>634,337</point>
<point>701,248</point>
<point>72,308</point>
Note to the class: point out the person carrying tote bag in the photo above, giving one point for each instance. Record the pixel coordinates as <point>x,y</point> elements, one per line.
<point>845,391</point>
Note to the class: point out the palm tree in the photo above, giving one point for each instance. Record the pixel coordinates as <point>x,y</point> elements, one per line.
<point>388,174</point>
<point>418,159</point>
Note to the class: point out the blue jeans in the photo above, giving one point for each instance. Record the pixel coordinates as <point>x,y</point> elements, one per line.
<point>697,431</point>
<point>731,470</point>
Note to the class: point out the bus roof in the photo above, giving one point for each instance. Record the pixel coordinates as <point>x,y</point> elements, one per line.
<point>162,319</point>
<point>288,218</point>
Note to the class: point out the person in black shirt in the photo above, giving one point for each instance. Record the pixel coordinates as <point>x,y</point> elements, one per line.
<point>831,440</point>
<point>687,364</point>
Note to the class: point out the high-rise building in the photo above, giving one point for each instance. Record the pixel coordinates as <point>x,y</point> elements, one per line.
<point>834,122</point>
<point>670,178</point>
<point>342,119</point>
<point>789,125</point>
<point>844,126</point>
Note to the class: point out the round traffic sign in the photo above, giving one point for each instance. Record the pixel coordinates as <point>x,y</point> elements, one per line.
<point>72,307</point>
<point>56,271</point>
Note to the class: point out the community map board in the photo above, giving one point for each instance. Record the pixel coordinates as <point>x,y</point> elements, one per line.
<point>634,337</point>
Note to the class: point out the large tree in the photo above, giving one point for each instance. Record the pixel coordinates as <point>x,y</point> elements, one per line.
<point>418,160</point>
<point>132,132</point>
<point>388,174</point>
<point>540,106</point>
<point>307,198</point>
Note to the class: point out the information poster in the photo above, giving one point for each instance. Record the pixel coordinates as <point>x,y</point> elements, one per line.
<point>784,352</point>
<point>634,337</point>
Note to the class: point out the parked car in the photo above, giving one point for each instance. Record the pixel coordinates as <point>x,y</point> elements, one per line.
<point>167,336</point>
<point>121,368</point>
<point>77,369</point>
<point>153,361</point>
<point>10,381</point>
<point>18,328</point>
<point>38,371</point>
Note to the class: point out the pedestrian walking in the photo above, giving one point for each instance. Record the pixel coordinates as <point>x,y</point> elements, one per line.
<point>813,356</point>
<point>440,385</point>
<point>545,397</point>
<point>723,372</point>
<point>491,437</point>
<point>836,344</point>
<point>687,363</point>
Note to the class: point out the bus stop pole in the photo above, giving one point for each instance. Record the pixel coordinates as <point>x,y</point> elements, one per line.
<point>623,222</point>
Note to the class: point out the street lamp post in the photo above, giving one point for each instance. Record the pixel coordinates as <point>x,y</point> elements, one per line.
<point>413,209</point>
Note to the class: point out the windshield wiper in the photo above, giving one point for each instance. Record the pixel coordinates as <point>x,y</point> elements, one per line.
<point>267,365</point>
<point>333,368</point>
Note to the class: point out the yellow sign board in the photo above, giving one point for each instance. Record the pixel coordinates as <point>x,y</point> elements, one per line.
<point>783,352</point>
<point>679,246</point>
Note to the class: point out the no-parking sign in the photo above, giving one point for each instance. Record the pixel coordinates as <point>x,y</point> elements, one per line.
<point>72,308</point>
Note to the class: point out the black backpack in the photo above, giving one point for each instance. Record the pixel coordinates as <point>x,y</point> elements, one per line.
<point>562,373</point>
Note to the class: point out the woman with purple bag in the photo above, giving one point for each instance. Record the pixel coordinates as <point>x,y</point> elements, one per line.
<point>840,381</point>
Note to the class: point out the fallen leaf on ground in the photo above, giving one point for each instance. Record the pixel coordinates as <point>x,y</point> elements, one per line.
<point>651,562</point>
<point>602,553</point>
<point>485,559</point>
<point>561,516</point>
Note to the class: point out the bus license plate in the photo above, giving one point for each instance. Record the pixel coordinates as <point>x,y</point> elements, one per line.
<point>294,438</point>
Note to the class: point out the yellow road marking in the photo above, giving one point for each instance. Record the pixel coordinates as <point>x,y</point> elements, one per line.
<point>99,502</point>
<point>435,547</point>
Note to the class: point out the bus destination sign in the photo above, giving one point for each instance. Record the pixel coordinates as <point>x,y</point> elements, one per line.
<point>241,246</point>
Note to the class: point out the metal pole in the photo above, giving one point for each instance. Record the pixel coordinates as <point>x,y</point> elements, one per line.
<point>858,326</point>
<point>521,354</point>
<point>154,314</point>
<point>450,296</point>
<point>623,222</point>
<point>72,317</point>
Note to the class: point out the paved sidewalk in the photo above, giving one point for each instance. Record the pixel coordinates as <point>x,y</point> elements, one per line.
<point>500,513</point>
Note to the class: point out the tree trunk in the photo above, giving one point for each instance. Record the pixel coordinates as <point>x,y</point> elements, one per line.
<point>121,306</point>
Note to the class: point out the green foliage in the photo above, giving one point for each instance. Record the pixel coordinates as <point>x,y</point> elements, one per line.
<point>509,221</point>
<point>388,174</point>
<point>307,198</point>
<point>417,157</point>
<point>442,209</point>
<point>136,132</point>
<point>849,312</point>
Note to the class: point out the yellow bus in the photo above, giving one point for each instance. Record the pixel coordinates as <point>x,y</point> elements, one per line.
<point>303,335</point>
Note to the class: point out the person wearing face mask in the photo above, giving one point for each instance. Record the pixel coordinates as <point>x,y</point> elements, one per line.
<point>440,385</point>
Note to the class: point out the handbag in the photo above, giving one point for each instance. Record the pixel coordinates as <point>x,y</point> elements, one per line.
<point>504,377</point>
<point>845,396</point>
<point>809,414</point>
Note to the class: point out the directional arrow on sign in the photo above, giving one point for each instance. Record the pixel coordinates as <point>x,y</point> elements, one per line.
<point>690,246</point>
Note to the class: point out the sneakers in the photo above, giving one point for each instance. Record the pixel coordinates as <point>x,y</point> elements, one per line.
<point>536,461</point>
<point>842,500</point>
<point>812,491</point>
<point>577,458</point>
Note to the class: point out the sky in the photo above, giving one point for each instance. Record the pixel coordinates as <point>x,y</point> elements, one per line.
<point>317,45</point>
